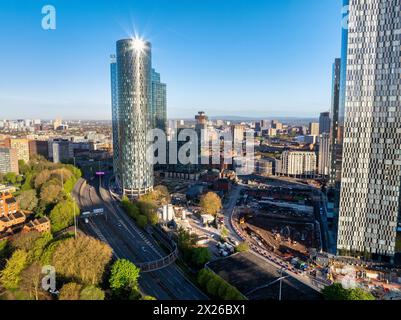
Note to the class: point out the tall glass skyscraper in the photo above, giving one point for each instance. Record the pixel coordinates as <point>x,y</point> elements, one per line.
<point>336,131</point>
<point>134,103</point>
<point>114,115</point>
<point>371,167</point>
<point>158,114</point>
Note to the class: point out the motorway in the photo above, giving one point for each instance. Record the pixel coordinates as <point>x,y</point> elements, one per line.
<point>229,211</point>
<point>131,243</point>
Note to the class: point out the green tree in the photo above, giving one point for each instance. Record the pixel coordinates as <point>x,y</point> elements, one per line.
<point>23,167</point>
<point>130,208</point>
<point>24,241</point>
<point>233,294</point>
<point>4,249</point>
<point>50,193</point>
<point>39,245</point>
<point>11,178</point>
<point>224,232</point>
<point>27,185</point>
<point>62,215</point>
<point>27,200</point>
<point>148,298</point>
<point>10,276</point>
<point>82,259</point>
<point>223,289</point>
<point>359,294</point>
<point>31,283</point>
<point>124,276</point>
<point>210,203</point>
<point>203,277</point>
<point>142,221</point>
<point>47,255</point>
<point>212,286</point>
<point>41,178</point>
<point>200,256</point>
<point>148,209</point>
<point>70,291</point>
<point>92,293</point>
<point>337,292</point>
<point>242,247</point>
<point>162,195</point>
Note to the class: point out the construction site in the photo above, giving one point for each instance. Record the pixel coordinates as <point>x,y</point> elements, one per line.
<point>287,228</point>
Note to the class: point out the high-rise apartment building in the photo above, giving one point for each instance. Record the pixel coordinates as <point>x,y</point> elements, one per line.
<point>134,102</point>
<point>324,122</point>
<point>22,147</point>
<point>297,164</point>
<point>238,132</point>
<point>336,130</point>
<point>324,155</point>
<point>314,128</point>
<point>38,147</point>
<point>371,168</point>
<point>8,160</point>
<point>114,116</point>
<point>62,150</point>
<point>158,112</point>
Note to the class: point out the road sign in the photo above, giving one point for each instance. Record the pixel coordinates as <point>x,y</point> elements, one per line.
<point>100,173</point>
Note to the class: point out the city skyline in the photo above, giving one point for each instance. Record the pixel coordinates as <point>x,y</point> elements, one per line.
<point>194,187</point>
<point>251,47</point>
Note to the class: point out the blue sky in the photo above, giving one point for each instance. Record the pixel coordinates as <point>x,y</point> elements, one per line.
<point>258,58</point>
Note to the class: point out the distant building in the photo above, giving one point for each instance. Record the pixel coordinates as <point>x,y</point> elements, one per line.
<point>324,122</point>
<point>158,112</point>
<point>265,167</point>
<point>38,147</point>
<point>310,139</point>
<point>314,128</point>
<point>8,160</point>
<point>297,164</point>
<point>22,147</point>
<point>276,125</point>
<point>57,124</point>
<point>324,155</point>
<point>238,131</point>
<point>62,151</point>
<point>272,132</point>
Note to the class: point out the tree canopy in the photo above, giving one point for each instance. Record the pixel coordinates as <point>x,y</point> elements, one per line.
<point>62,215</point>
<point>70,291</point>
<point>92,293</point>
<point>210,203</point>
<point>337,292</point>
<point>124,276</point>
<point>10,276</point>
<point>82,259</point>
<point>27,200</point>
<point>217,287</point>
